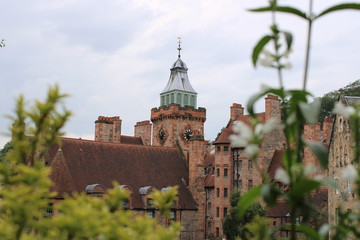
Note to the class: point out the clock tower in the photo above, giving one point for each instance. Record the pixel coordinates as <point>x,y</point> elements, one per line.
<point>178,122</point>
<point>178,118</point>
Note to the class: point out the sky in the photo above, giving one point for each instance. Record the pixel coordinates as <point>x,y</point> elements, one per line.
<point>113,57</point>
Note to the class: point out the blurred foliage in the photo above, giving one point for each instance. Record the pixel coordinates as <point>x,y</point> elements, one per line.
<point>234,226</point>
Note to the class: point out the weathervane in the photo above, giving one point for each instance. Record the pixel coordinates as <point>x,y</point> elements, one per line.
<point>179,48</point>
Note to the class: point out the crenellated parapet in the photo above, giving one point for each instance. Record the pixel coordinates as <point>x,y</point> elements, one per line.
<point>175,111</point>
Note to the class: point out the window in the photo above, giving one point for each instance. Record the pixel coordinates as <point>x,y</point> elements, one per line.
<point>218,148</point>
<point>225,192</point>
<point>226,172</point>
<point>209,208</point>
<point>348,187</point>
<point>217,212</point>
<point>150,213</point>
<point>250,164</point>
<point>218,192</point>
<point>49,210</point>
<point>218,172</point>
<point>346,159</point>
<point>172,216</point>
<point>250,184</point>
<point>274,223</point>
<point>125,203</point>
<point>225,211</point>
<point>337,186</point>
<point>149,202</point>
<point>226,148</point>
<point>240,164</point>
<point>217,232</point>
<point>240,183</point>
<point>209,225</point>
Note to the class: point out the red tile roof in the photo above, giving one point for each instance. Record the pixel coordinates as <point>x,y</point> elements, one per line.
<point>281,209</point>
<point>209,159</point>
<point>275,163</point>
<point>79,163</point>
<point>131,140</point>
<point>209,162</point>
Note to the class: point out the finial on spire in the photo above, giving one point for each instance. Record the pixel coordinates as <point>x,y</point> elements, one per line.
<point>179,48</point>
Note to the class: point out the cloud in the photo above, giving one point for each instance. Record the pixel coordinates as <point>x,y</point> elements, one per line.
<point>113,57</point>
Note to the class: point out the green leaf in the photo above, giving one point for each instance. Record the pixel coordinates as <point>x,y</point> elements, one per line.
<point>284,9</point>
<point>308,232</point>
<point>304,186</point>
<point>344,6</point>
<point>320,151</point>
<point>248,199</point>
<point>259,47</point>
<point>288,38</point>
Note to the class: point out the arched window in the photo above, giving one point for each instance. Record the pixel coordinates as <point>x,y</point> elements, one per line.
<point>127,203</point>
<point>341,125</point>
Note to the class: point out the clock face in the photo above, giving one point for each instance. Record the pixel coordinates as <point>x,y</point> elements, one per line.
<point>188,134</point>
<point>162,135</point>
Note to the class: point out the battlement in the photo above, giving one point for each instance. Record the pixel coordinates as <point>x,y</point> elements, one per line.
<point>176,111</point>
<point>110,120</point>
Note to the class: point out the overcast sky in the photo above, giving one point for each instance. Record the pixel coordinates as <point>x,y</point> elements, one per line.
<point>113,57</point>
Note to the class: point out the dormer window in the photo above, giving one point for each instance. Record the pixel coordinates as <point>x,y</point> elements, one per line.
<point>176,203</point>
<point>127,203</point>
<point>96,190</point>
<point>144,192</point>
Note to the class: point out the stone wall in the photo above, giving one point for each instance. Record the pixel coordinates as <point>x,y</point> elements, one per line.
<point>143,129</point>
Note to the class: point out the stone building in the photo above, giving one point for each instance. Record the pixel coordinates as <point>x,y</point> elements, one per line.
<point>234,169</point>
<point>340,156</point>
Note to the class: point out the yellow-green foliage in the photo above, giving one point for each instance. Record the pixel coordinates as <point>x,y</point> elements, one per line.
<point>24,189</point>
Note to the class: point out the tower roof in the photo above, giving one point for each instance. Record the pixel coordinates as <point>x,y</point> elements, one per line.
<point>179,79</point>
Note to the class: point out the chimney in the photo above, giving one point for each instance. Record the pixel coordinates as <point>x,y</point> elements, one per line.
<point>143,129</point>
<point>235,111</point>
<point>108,129</point>
<point>272,107</point>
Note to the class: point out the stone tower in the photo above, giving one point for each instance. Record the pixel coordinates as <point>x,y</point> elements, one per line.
<point>178,117</point>
<point>178,122</point>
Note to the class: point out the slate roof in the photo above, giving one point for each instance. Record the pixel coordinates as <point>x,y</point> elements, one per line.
<point>226,132</point>
<point>351,100</point>
<point>79,163</point>
<point>179,79</point>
